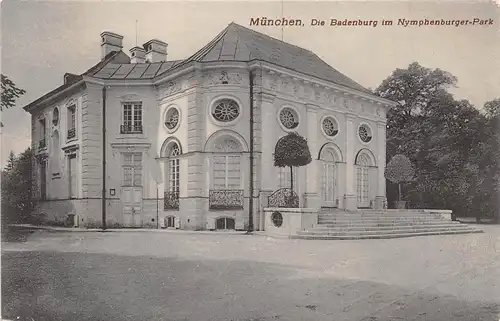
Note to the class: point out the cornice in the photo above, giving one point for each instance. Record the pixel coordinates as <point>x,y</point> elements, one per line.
<point>350,116</point>
<point>321,84</point>
<point>268,97</point>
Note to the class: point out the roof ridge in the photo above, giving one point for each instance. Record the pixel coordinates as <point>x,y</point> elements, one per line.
<point>268,36</point>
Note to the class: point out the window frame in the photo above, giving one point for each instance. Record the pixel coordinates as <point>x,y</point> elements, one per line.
<point>134,168</point>
<point>131,121</point>
<point>71,121</point>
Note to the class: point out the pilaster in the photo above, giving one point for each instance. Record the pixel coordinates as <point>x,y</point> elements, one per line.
<point>350,179</point>
<point>268,131</point>
<point>381,161</point>
<point>311,195</point>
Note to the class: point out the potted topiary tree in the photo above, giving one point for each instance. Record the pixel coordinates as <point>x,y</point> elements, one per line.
<point>398,171</point>
<point>292,151</point>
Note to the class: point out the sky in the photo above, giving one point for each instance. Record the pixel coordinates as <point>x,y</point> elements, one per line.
<point>41,41</point>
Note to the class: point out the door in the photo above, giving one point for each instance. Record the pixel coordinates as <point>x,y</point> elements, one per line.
<point>329,184</point>
<point>363,186</point>
<point>43,180</point>
<point>132,206</point>
<point>72,176</point>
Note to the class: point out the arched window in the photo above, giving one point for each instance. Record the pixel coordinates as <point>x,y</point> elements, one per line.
<point>284,177</point>
<point>329,176</point>
<point>226,190</point>
<point>173,168</point>
<point>225,223</point>
<point>226,169</point>
<point>172,175</point>
<point>362,179</point>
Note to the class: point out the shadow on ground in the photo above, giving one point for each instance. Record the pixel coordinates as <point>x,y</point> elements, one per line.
<point>78,286</point>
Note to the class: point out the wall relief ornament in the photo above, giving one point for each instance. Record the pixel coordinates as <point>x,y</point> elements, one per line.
<point>223,78</point>
<point>172,88</point>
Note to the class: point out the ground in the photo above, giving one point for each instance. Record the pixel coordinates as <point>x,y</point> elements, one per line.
<point>221,276</point>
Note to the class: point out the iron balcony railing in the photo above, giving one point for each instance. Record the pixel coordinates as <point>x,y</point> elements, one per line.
<point>71,133</point>
<point>171,201</point>
<point>225,199</point>
<point>284,197</point>
<point>41,143</point>
<point>131,129</point>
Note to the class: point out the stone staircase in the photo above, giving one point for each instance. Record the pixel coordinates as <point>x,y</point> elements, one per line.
<point>381,224</point>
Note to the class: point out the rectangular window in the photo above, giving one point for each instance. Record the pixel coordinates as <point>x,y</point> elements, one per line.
<point>132,169</point>
<point>174,175</point>
<point>132,118</point>
<point>71,121</point>
<point>43,133</point>
<point>226,172</point>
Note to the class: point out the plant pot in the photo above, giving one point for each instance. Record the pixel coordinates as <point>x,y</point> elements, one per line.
<point>400,205</point>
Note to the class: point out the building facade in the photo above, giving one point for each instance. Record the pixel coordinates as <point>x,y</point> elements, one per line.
<point>151,142</point>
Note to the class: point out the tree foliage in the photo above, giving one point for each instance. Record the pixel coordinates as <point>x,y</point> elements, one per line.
<point>17,185</point>
<point>399,169</point>
<point>453,146</point>
<point>10,93</point>
<point>292,150</point>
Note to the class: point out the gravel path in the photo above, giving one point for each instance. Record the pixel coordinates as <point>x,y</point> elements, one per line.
<point>182,276</point>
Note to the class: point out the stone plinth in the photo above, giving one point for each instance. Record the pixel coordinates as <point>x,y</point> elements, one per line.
<point>446,214</point>
<point>293,220</point>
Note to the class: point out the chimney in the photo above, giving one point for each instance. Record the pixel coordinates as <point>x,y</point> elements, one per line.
<point>110,42</point>
<point>138,55</point>
<point>156,51</point>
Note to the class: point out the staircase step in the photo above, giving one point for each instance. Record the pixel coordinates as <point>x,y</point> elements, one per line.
<point>382,235</point>
<point>385,221</point>
<point>349,232</point>
<point>321,228</point>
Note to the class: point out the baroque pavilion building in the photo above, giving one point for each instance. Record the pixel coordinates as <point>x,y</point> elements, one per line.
<point>144,140</point>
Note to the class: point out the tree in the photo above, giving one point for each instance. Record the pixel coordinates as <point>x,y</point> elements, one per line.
<point>414,89</point>
<point>291,151</point>
<point>492,108</point>
<point>399,170</point>
<point>17,185</point>
<point>10,93</point>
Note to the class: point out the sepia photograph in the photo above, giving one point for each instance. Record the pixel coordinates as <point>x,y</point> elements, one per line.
<point>250,160</point>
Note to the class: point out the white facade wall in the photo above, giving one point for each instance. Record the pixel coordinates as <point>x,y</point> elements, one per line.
<point>194,94</point>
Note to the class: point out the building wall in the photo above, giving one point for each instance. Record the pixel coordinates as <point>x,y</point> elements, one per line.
<point>194,95</point>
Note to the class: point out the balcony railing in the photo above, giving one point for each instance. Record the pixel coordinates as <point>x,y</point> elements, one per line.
<point>171,201</point>
<point>71,133</point>
<point>131,129</point>
<point>41,143</point>
<point>284,197</point>
<point>225,199</point>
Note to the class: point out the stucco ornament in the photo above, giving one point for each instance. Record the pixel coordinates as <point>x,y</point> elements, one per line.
<point>273,84</point>
<point>172,88</point>
<point>224,78</point>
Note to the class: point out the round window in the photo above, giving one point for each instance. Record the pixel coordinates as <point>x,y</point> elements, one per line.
<point>226,110</point>
<point>330,127</point>
<point>289,118</point>
<point>55,116</point>
<point>172,118</point>
<point>277,219</point>
<point>365,133</point>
